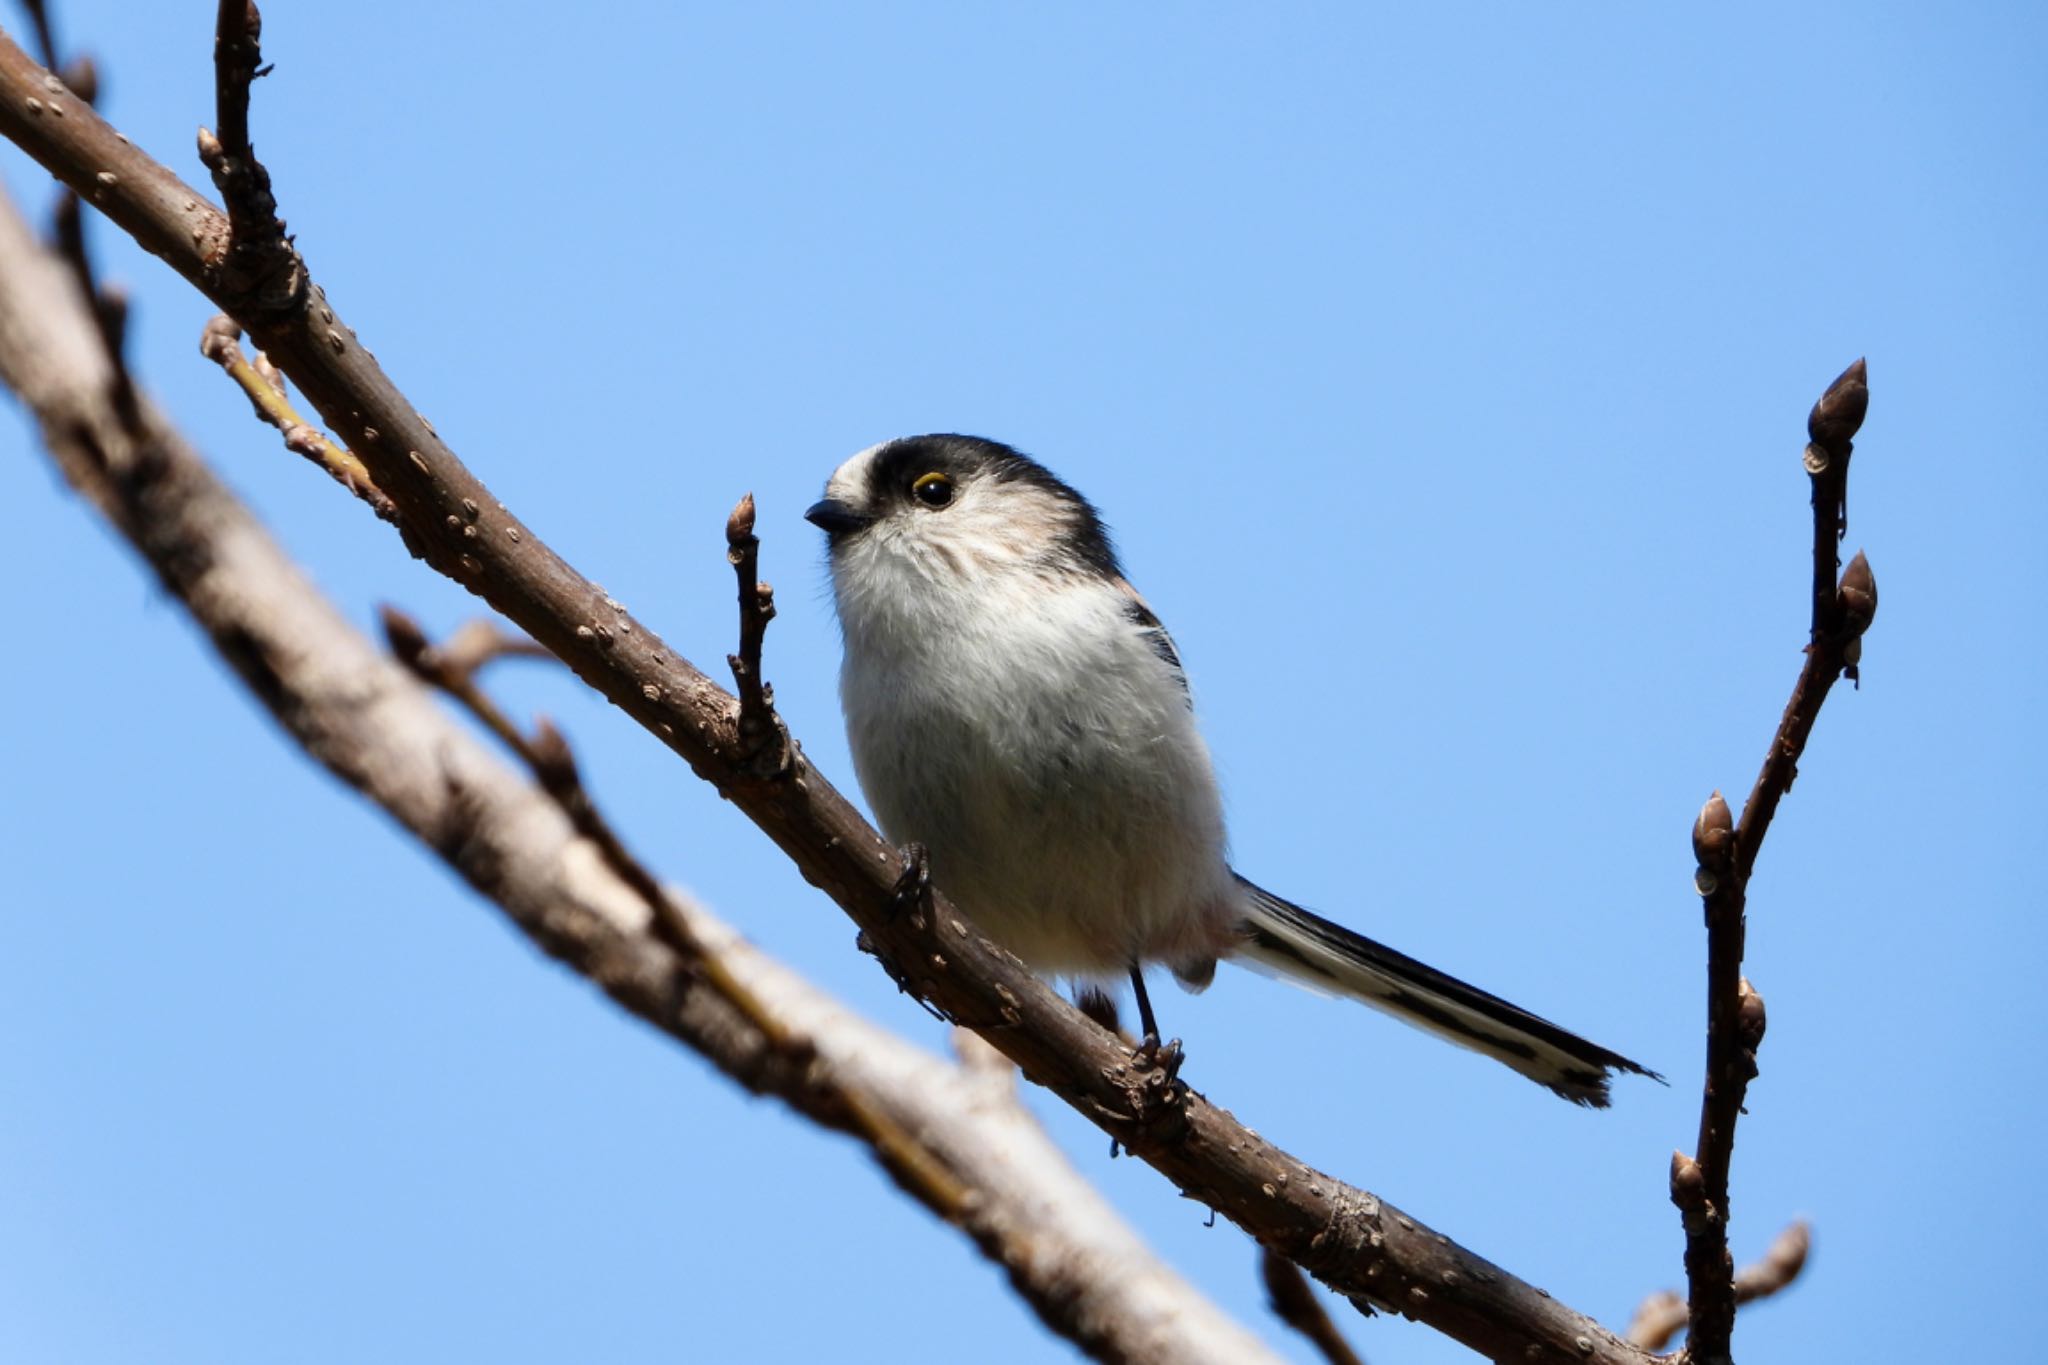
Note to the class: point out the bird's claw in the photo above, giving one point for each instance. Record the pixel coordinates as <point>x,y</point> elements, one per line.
<point>913,890</point>
<point>1165,1058</point>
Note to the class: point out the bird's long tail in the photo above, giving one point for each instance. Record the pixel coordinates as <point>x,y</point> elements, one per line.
<point>1305,947</point>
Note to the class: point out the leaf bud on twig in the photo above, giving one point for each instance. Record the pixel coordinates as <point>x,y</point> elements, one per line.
<point>1713,841</point>
<point>1838,415</point>
<point>1688,1184</point>
<point>740,525</point>
<point>1858,595</point>
<point>1750,1016</point>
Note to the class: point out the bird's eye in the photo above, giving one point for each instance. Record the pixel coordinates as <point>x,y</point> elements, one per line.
<point>933,489</point>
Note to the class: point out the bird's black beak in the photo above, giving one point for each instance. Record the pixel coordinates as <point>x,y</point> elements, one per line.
<point>835,518</point>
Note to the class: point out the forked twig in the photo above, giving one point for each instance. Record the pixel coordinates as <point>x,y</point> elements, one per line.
<point>1727,851</point>
<point>1662,1315</point>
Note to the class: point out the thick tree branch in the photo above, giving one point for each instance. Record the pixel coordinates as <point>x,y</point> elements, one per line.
<point>1727,853</point>
<point>1345,1236</point>
<point>376,728</point>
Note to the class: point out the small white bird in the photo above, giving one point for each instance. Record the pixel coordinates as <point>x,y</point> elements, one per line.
<point>1015,707</point>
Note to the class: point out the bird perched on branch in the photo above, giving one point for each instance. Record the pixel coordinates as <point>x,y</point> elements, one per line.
<point>1018,711</point>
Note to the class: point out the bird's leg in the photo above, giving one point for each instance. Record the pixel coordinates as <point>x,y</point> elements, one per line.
<point>912,892</point>
<point>1145,1019</point>
<point>1150,1049</point>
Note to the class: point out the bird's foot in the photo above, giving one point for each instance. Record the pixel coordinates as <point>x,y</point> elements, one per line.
<point>913,893</point>
<point>1165,1057</point>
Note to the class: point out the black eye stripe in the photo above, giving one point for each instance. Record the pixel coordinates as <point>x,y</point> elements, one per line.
<point>896,463</point>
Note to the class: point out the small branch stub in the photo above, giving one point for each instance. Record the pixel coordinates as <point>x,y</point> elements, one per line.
<point>220,342</point>
<point>761,731</point>
<point>259,258</point>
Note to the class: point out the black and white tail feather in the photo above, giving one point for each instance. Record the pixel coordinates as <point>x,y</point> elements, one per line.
<point>1305,948</point>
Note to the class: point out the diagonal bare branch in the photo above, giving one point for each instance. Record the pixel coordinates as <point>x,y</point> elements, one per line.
<point>376,728</point>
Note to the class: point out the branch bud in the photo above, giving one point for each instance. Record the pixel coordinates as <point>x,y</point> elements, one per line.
<point>554,763</point>
<point>1749,1016</point>
<point>211,154</point>
<point>408,642</point>
<point>218,340</point>
<point>740,525</point>
<point>83,76</point>
<point>113,310</point>
<point>1688,1184</point>
<point>1839,414</point>
<point>1713,842</point>
<point>1857,595</point>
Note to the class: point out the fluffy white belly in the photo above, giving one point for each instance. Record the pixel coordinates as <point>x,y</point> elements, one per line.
<point>1077,821</point>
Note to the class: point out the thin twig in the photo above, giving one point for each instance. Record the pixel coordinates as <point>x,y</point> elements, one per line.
<point>237,55</point>
<point>1727,853</point>
<point>1834,420</point>
<point>1662,1315</point>
<point>256,256</point>
<point>1295,1303</point>
<point>220,342</point>
<point>761,731</point>
<point>479,643</point>
<point>46,37</point>
<point>109,304</point>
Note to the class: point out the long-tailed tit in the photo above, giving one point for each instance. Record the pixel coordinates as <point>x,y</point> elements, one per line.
<point>1015,707</point>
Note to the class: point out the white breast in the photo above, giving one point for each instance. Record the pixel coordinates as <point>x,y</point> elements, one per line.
<point>1023,729</point>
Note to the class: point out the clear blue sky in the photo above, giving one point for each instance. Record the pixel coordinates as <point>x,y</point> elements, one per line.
<point>1443,374</point>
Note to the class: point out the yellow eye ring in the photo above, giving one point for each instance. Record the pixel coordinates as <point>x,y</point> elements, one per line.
<point>933,489</point>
